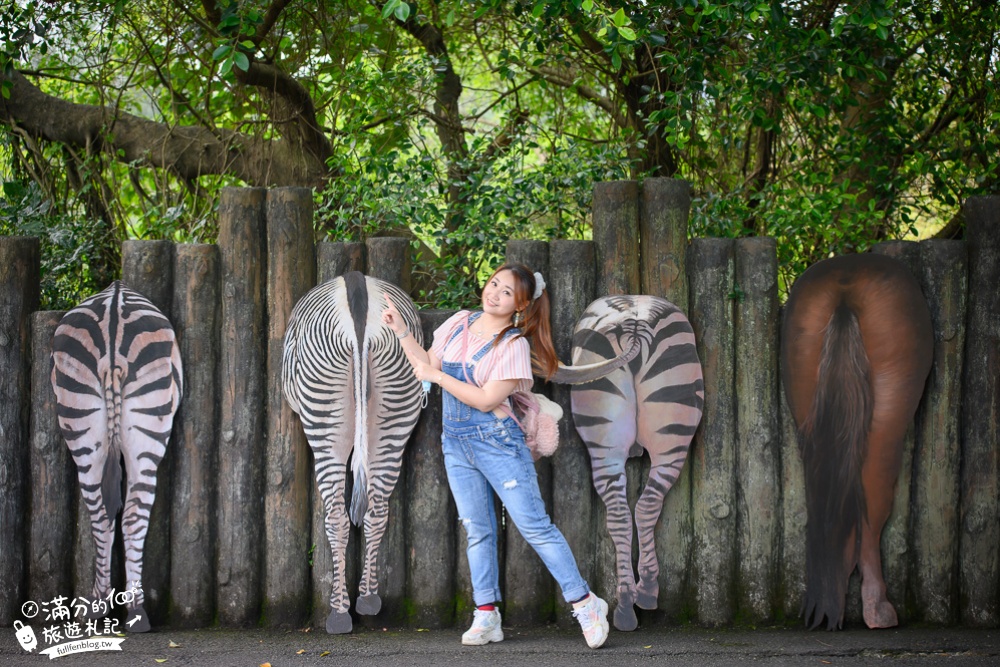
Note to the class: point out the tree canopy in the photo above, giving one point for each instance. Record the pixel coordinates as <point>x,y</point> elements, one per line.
<point>828,125</point>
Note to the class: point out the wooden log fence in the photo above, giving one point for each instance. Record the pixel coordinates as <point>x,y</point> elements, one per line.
<point>237,531</point>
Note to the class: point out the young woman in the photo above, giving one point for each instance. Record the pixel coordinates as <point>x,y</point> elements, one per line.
<point>483,446</point>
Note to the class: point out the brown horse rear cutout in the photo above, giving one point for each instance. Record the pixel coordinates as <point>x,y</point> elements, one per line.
<point>857,345</point>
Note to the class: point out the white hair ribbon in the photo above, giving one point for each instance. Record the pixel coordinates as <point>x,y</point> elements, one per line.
<point>539,286</point>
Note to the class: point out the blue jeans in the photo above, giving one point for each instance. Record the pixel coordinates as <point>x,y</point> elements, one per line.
<point>483,454</point>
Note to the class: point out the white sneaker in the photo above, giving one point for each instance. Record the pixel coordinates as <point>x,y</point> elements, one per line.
<point>593,616</point>
<point>486,628</point>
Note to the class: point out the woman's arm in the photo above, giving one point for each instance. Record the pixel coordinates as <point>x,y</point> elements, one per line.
<point>486,398</point>
<point>392,319</point>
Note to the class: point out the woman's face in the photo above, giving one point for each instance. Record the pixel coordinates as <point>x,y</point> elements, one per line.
<point>498,295</point>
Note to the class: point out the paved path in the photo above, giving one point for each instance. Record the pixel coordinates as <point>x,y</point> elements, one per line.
<point>540,647</point>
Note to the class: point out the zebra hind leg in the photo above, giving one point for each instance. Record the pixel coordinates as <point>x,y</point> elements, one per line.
<point>376,519</point>
<point>332,486</point>
<point>647,513</point>
<point>611,488</point>
<point>135,524</point>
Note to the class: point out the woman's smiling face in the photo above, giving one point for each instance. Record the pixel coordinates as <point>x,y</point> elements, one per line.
<point>498,295</point>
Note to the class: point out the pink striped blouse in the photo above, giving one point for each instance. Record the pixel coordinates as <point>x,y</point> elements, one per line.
<point>510,360</point>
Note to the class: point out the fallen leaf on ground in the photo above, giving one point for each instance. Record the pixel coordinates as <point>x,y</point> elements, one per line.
<point>324,654</point>
<point>826,662</point>
<point>160,659</point>
<point>421,629</point>
<point>650,646</point>
<point>265,664</point>
<point>300,651</point>
<point>173,644</point>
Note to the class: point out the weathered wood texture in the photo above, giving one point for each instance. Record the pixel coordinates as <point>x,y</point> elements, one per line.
<point>529,591</point>
<point>242,356</point>
<point>712,458</point>
<point>432,521</point>
<point>291,272</point>
<point>389,259</point>
<point>937,455</point>
<point>148,268</point>
<point>332,260</point>
<point>19,295</point>
<point>616,237</point>
<point>792,573</point>
<point>53,476</point>
<point>979,565</point>
<point>663,217</point>
<point>758,434</point>
<point>572,286</point>
<point>336,259</point>
<point>195,437</point>
<point>896,547</point>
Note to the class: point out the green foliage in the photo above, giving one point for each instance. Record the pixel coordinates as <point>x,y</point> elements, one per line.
<point>67,245</point>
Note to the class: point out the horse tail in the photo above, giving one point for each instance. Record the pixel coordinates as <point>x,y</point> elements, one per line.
<point>833,440</point>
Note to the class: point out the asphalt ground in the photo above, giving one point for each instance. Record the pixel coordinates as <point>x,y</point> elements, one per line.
<point>536,647</point>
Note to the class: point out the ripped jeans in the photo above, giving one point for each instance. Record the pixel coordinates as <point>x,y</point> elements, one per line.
<point>483,454</point>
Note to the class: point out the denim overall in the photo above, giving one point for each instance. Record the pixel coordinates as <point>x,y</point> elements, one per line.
<point>484,452</point>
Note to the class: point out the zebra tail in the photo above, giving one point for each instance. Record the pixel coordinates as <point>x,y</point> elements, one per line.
<point>111,479</point>
<point>834,442</point>
<point>359,497</point>
<point>590,372</point>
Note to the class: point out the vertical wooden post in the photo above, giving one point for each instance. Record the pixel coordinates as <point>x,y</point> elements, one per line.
<point>53,476</point>
<point>895,536</point>
<point>712,458</point>
<point>528,585</point>
<point>336,259</point>
<point>193,538</point>
<point>291,272</point>
<point>572,285</point>
<point>242,356</point>
<point>758,433</point>
<point>148,268</point>
<point>431,520</point>
<point>937,456</point>
<point>20,259</point>
<point>792,578</point>
<point>616,241</point>
<point>663,224</point>
<point>979,569</point>
<point>389,260</point>
<point>332,260</point>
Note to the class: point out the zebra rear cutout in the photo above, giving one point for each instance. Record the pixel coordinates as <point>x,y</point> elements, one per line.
<point>116,374</point>
<point>346,376</point>
<point>642,389</point>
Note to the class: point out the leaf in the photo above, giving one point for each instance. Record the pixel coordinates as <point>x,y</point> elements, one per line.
<point>300,651</point>
<point>650,646</point>
<point>387,11</point>
<point>160,659</point>
<point>449,19</point>
<point>402,11</point>
<point>627,33</point>
<point>618,18</point>
<point>324,654</point>
<point>241,61</point>
<point>538,9</point>
<point>173,644</point>
<point>616,61</point>
<point>265,664</point>
<point>587,6</point>
<point>222,52</point>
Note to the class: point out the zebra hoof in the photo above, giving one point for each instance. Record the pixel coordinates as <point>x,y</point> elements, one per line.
<point>368,605</point>
<point>646,595</point>
<point>137,620</point>
<point>339,623</point>
<point>624,618</point>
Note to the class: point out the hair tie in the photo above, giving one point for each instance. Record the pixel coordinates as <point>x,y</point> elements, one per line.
<point>539,286</point>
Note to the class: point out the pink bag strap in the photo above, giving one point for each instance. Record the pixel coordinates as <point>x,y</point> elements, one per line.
<point>465,369</point>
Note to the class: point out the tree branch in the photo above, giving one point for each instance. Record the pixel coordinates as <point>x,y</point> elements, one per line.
<point>270,18</point>
<point>188,151</point>
<point>565,79</point>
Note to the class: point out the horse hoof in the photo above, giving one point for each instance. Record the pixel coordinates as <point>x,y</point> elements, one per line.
<point>137,620</point>
<point>881,615</point>
<point>339,623</point>
<point>368,605</point>
<point>624,618</point>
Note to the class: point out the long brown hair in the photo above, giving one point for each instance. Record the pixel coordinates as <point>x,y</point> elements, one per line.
<point>534,324</point>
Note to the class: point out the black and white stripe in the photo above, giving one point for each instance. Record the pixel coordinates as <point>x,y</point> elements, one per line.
<point>116,374</point>
<point>346,376</point>
<point>650,398</point>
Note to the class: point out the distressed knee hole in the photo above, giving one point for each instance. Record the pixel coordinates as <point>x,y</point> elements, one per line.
<point>510,484</point>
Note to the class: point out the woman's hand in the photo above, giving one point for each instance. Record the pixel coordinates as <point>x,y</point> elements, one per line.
<point>392,319</point>
<point>424,371</point>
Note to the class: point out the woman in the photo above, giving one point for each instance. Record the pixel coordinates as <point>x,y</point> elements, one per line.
<point>484,447</point>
